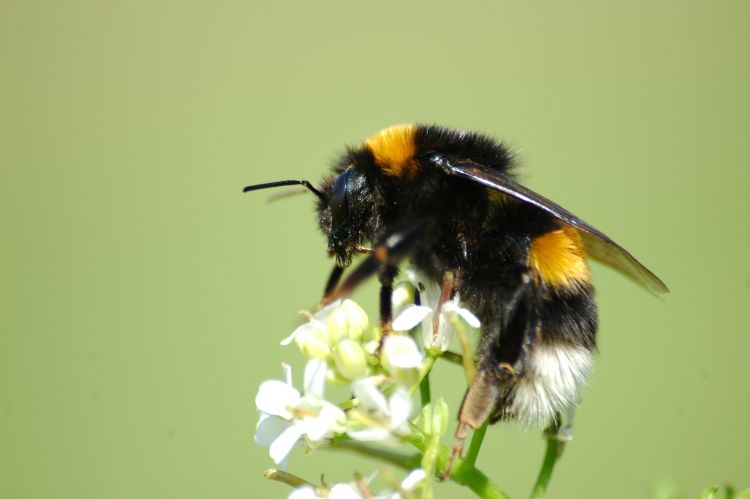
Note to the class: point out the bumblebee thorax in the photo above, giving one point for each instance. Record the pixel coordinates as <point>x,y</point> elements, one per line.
<point>394,149</point>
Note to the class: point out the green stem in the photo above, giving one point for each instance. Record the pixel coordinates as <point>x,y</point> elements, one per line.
<point>552,454</point>
<point>467,358</point>
<point>453,357</point>
<point>407,462</point>
<point>462,472</point>
<point>476,443</point>
<point>349,404</point>
<point>424,390</point>
<point>428,363</point>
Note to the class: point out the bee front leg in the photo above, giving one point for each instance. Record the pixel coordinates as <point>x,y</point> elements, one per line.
<point>386,277</point>
<point>333,281</point>
<point>384,258</point>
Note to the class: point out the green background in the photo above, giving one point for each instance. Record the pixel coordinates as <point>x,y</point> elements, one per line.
<point>143,296</point>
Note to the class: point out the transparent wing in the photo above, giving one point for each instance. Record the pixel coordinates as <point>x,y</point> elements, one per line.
<point>596,244</point>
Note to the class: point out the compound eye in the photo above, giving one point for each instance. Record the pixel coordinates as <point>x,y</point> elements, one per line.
<point>339,204</point>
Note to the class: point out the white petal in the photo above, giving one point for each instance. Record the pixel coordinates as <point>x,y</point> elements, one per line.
<point>402,352</point>
<point>304,492</point>
<point>287,373</point>
<point>413,478</point>
<point>440,342</point>
<point>370,398</point>
<point>410,317</point>
<point>315,377</point>
<point>295,333</point>
<point>274,397</point>
<point>402,297</point>
<point>286,341</point>
<point>344,491</point>
<point>326,423</point>
<point>452,308</point>
<point>400,406</point>
<point>412,276</point>
<point>324,312</point>
<point>470,318</point>
<point>268,429</point>
<point>282,446</point>
<point>430,295</point>
<point>369,435</point>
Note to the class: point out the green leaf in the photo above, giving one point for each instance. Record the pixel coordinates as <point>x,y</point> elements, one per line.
<point>709,492</point>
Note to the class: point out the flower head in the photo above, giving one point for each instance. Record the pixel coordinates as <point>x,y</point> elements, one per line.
<point>377,418</point>
<point>413,315</point>
<point>286,416</point>
<point>353,490</point>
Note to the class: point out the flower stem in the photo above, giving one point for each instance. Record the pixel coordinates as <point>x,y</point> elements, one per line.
<point>428,363</point>
<point>468,354</point>
<point>453,357</point>
<point>407,462</point>
<point>424,390</point>
<point>554,450</point>
<point>349,404</point>
<point>476,443</point>
<point>462,472</point>
<point>557,435</point>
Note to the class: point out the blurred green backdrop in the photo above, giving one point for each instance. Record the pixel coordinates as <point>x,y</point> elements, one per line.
<point>143,296</point>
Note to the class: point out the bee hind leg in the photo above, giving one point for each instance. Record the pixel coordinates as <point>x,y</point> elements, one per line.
<point>499,364</point>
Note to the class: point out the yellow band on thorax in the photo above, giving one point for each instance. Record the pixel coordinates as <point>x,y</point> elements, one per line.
<point>394,149</point>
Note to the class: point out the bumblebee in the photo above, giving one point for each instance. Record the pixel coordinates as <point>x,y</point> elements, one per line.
<point>448,201</point>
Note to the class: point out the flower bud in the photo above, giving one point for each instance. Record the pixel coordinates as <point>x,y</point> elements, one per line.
<point>426,419</point>
<point>440,417</point>
<point>347,321</point>
<point>434,418</point>
<point>312,340</point>
<point>334,378</point>
<point>350,360</point>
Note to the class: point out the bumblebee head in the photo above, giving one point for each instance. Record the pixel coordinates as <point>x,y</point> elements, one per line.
<point>345,208</point>
<point>346,215</point>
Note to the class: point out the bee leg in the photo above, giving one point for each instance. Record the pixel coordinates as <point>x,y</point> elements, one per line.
<point>388,252</point>
<point>333,281</point>
<point>493,375</point>
<point>386,275</point>
<point>477,406</point>
<point>383,260</point>
<point>445,294</point>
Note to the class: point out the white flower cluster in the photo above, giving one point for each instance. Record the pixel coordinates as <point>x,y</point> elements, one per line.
<point>344,350</point>
<point>352,490</point>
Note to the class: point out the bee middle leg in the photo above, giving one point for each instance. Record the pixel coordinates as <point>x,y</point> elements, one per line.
<point>383,260</point>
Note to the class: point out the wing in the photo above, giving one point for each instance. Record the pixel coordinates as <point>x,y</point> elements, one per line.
<point>596,243</point>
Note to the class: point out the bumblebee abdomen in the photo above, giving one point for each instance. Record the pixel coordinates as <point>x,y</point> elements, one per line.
<point>557,259</point>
